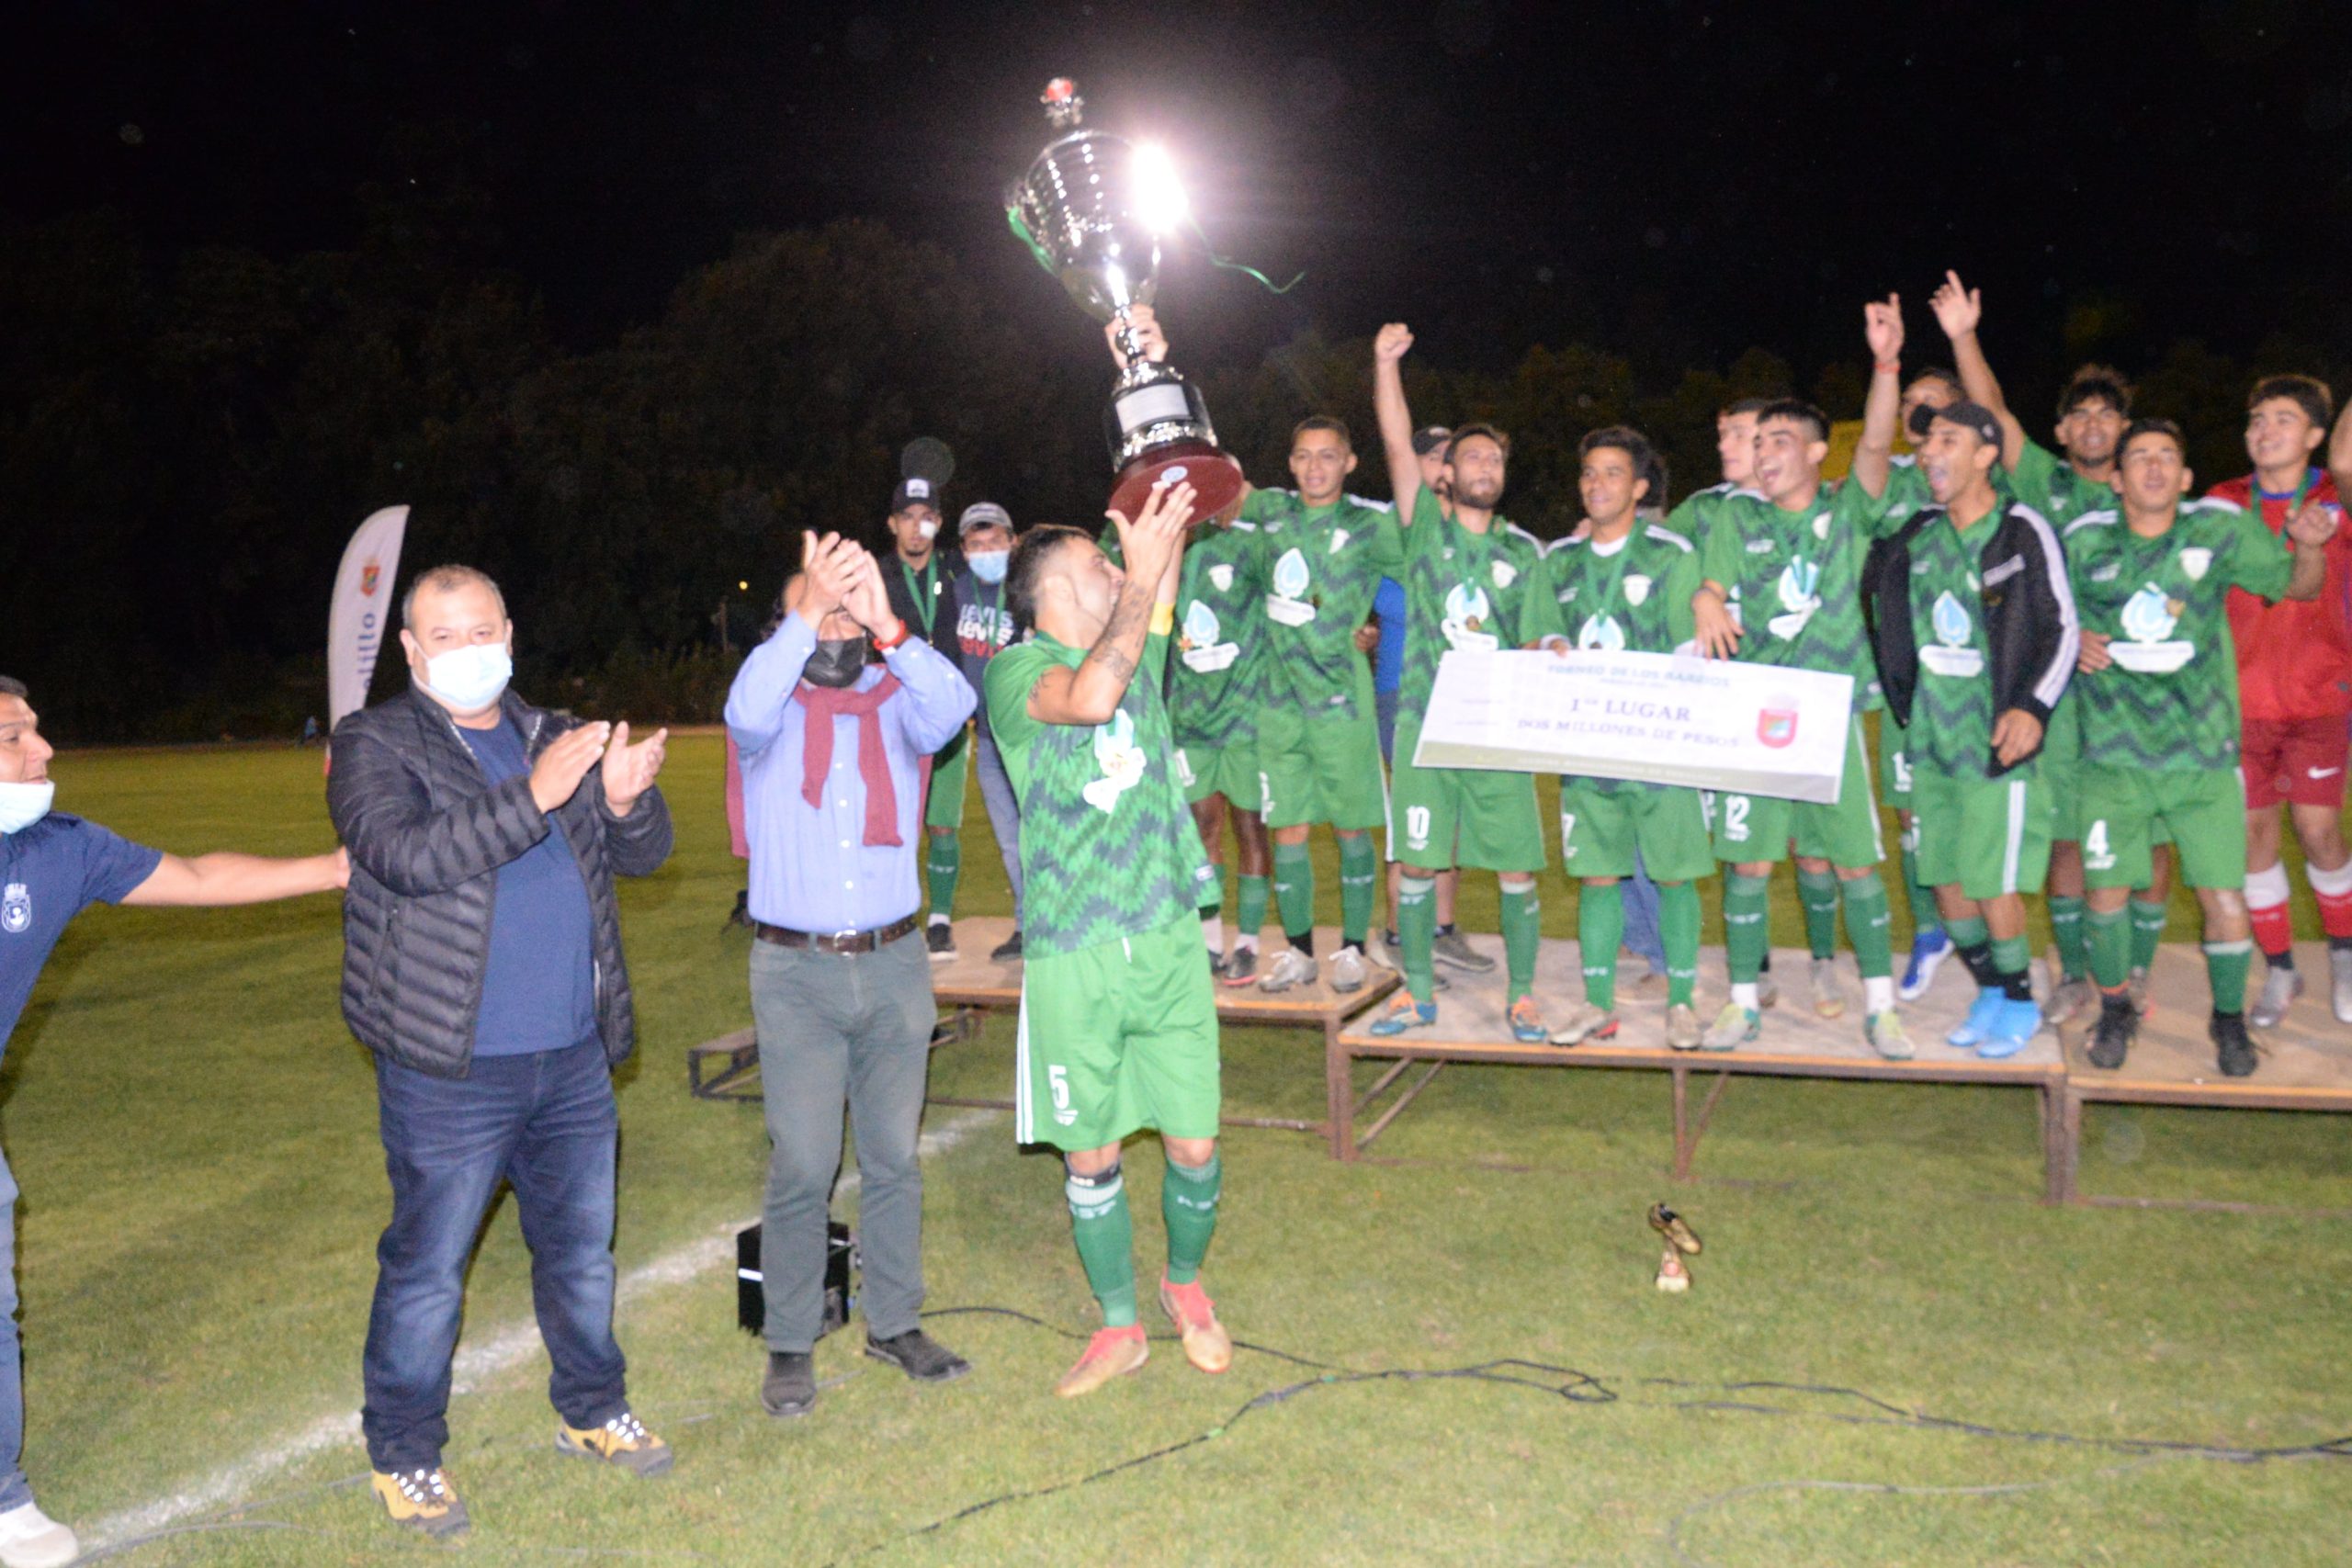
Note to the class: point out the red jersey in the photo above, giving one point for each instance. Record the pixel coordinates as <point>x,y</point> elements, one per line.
<point>2294,659</point>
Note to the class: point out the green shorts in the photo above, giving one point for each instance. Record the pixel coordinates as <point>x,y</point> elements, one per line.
<point>1443,817</point>
<point>1115,1038</point>
<point>1230,771</point>
<point>1759,828</point>
<point>1315,770</point>
<point>2127,811</point>
<point>1894,762</point>
<point>1989,836</point>
<point>949,765</point>
<point>2061,767</point>
<point>1601,828</point>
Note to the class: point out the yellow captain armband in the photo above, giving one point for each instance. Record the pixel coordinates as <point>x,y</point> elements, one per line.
<point>1163,619</point>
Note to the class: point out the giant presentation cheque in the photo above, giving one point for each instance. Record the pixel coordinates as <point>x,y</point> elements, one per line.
<point>1659,717</point>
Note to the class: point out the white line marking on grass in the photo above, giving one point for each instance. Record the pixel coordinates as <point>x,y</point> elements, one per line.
<point>502,1350</point>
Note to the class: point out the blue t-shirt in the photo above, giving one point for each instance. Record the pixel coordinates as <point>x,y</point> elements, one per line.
<point>1388,661</point>
<point>50,873</point>
<point>539,991</point>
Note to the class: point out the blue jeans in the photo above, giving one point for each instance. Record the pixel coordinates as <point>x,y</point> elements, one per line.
<point>1004,812</point>
<point>1640,917</point>
<point>15,1490</point>
<point>547,1124</point>
<point>1383,711</point>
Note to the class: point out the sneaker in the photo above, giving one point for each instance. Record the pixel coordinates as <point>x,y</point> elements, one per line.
<point>2016,1023</point>
<point>919,1356</point>
<point>790,1387</point>
<point>1217,965</point>
<point>421,1500</point>
<point>2138,987</point>
<point>1527,1023</point>
<point>2339,970</point>
<point>1348,974</point>
<point>1007,951</point>
<point>1884,1032</point>
<point>1928,951</point>
<point>1829,995</point>
<point>1290,967</point>
<point>1982,1014</point>
<point>1403,1013</point>
<point>1682,1031</point>
<point>1767,992</point>
<point>1453,947</point>
<point>1112,1352</point>
<point>30,1539</point>
<point>1734,1027</point>
<point>1585,1021</point>
<point>940,937</point>
<point>622,1441</point>
<point>1675,1230</point>
<point>2279,989</point>
<point>2119,1021</point>
<point>1206,1344</point>
<point>2073,998</point>
<point>1241,967</point>
<point>2232,1046</point>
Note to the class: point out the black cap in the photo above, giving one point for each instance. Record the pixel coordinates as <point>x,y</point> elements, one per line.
<point>1429,438</point>
<point>914,491</point>
<point>1971,417</point>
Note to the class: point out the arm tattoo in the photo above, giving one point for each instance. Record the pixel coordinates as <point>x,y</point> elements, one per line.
<point>1130,617</point>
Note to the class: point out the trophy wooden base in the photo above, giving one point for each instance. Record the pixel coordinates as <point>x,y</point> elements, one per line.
<point>1216,478</point>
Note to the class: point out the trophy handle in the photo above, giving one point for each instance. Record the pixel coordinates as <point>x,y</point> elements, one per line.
<point>1130,342</point>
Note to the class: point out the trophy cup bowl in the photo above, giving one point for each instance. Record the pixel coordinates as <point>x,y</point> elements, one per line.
<point>1087,213</point>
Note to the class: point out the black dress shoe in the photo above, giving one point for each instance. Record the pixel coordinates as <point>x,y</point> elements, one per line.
<point>2232,1045</point>
<point>790,1387</point>
<point>919,1356</point>
<point>1007,951</point>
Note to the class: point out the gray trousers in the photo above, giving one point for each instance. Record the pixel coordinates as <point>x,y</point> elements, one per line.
<point>1004,814</point>
<point>837,1027</point>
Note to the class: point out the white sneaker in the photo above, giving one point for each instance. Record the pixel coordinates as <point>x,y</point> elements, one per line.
<point>30,1539</point>
<point>2279,989</point>
<point>1347,971</point>
<point>1290,967</point>
<point>1828,994</point>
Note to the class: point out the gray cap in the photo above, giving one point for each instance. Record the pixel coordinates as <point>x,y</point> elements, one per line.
<point>980,515</point>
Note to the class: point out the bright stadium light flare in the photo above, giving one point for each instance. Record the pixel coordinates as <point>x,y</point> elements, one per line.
<point>1160,194</point>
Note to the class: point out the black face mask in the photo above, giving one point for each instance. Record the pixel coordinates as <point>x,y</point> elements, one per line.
<point>836,662</point>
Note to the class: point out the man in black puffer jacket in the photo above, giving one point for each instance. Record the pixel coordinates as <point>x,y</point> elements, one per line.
<point>482,966</point>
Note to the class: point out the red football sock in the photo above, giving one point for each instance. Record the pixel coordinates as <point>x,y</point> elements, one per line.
<point>2265,906</point>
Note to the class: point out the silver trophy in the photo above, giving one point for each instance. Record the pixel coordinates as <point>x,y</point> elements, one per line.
<point>1091,209</point>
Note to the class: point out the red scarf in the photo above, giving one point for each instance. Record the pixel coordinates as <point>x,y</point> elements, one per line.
<point>825,704</point>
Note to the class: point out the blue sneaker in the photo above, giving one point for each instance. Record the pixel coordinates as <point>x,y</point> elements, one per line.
<point>1928,951</point>
<point>1403,1013</point>
<point>2017,1024</point>
<point>1981,1018</point>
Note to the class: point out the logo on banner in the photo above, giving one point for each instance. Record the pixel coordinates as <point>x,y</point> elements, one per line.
<point>368,575</point>
<point>1776,727</point>
<point>17,909</point>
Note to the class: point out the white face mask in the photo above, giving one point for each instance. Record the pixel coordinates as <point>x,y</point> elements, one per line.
<point>22,804</point>
<point>469,678</point>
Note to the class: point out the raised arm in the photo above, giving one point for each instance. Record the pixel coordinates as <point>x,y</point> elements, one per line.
<point>1957,311</point>
<point>2310,530</point>
<point>1091,694</point>
<point>1874,453</point>
<point>227,877</point>
<point>938,697</point>
<point>2339,455</point>
<point>756,700</point>
<point>1388,351</point>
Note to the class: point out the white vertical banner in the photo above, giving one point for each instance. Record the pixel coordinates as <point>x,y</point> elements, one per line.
<point>361,616</point>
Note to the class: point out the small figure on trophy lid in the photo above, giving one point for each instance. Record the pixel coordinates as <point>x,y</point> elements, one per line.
<point>1063,106</point>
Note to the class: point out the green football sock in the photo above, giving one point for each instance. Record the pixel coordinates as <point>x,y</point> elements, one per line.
<point>1359,876</point>
<point>1817,891</point>
<point>1249,907</point>
<point>2066,931</point>
<point>1416,930</point>
<point>942,866</point>
<point>1600,927</point>
<point>2010,959</point>
<point>1522,935</point>
<point>2110,939</point>
<point>1678,931</point>
<point>1869,925</point>
<point>2147,931</point>
<point>1188,1207</point>
<point>2225,966</point>
<point>1925,917</point>
<point>1295,887</point>
<point>1105,1234</point>
<point>1747,928</point>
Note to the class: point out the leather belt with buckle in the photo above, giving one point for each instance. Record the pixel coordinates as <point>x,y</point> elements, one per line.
<point>834,941</point>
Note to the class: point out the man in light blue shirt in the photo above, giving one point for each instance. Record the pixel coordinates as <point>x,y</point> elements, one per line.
<point>834,740</point>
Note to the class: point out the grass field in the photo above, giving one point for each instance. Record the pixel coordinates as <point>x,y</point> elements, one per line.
<point>194,1133</point>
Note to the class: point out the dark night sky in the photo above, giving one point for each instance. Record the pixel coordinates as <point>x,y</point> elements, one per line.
<point>1672,179</point>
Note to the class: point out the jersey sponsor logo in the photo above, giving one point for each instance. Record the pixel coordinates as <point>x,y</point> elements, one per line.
<point>1121,760</point>
<point>1636,591</point>
<point>2196,561</point>
<point>1339,538</point>
<point>17,909</point>
<point>1601,631</point>
<point>1467,612</point>
<point>2322,773</point>
<point>1291,580</point>
<point>1776,727</point>
<point>1950,654</point>
<point>2149,618</point>
<point>1800,588</point>
<point>1198,644</point>
<point>1221,574</point>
